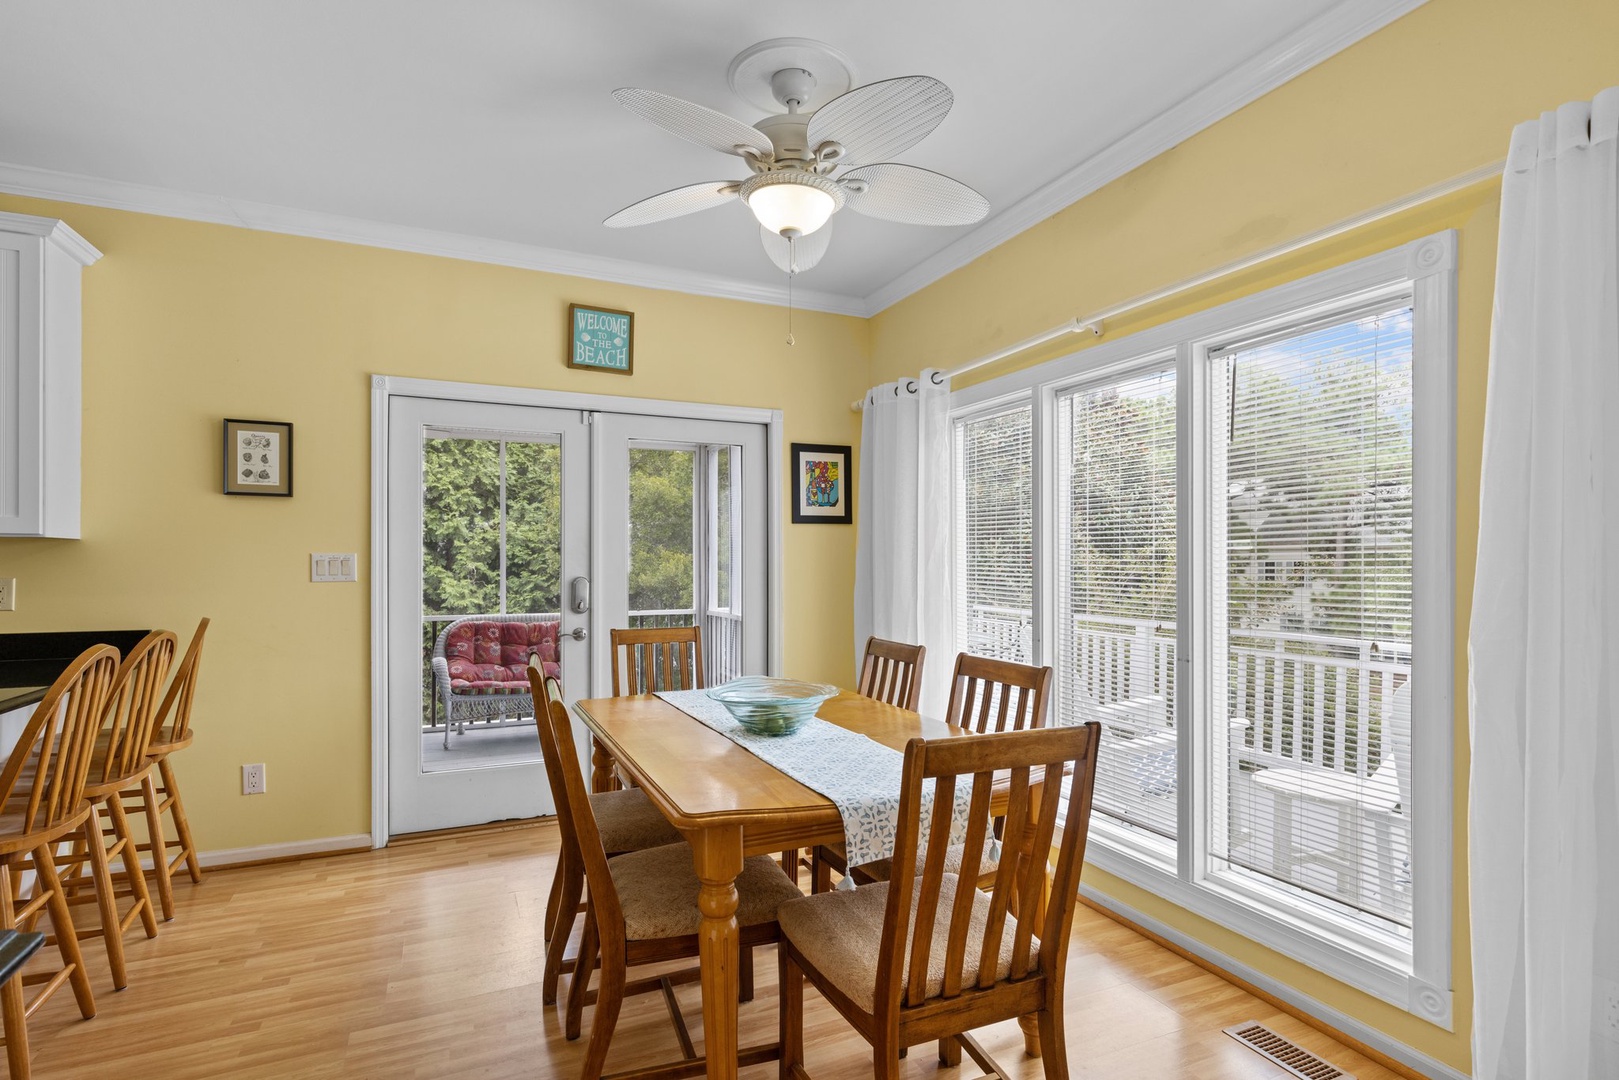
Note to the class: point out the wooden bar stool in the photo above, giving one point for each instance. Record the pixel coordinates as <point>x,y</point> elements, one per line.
<point>55,748</point>
<point>120,764</point>
<point>171,733</point>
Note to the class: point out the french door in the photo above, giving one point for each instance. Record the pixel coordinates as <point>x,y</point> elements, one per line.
<point>550,527</point>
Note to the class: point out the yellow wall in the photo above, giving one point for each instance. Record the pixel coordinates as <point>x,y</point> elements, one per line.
<point>187,323</point>
<point>1428,98</point>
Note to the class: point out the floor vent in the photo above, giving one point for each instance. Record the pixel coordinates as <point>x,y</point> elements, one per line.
<point>1290,1056</point>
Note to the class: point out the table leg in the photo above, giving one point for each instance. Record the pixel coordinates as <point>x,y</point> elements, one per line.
<point>718,857</point>
<point>601,767</point>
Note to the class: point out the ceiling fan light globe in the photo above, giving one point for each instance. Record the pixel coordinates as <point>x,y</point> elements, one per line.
<point>790,202</point>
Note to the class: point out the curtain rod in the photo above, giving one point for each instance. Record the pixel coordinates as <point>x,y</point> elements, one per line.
<point>1095,321</point>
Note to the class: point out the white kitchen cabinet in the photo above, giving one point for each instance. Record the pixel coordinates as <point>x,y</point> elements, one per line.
<point>40,401</point>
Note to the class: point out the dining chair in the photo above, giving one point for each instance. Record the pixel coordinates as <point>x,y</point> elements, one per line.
<point>985,696</point>
<point>171,733</point>
<point>16,946</point>
<point>643,905</point>
<point>119,763</point>
<point>657,658</point>
<point>927,955</point>
<point>627,821</point>
<point>56,745</point>
<point>891,673</point>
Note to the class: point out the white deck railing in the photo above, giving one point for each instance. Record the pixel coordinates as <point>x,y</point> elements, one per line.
<point>1308,699</point>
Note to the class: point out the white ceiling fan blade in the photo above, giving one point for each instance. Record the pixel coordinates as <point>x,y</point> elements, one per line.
<point>878,121</point>
<point>802,254</point>
<point>693,122</point>
<point>913,196</point>
<point>673,204</point>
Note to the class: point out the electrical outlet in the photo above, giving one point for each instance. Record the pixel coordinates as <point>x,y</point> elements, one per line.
<point>8,594</point>
<point>253,779</point>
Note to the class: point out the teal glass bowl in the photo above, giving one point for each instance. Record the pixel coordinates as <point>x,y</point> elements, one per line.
<point>767,706</point>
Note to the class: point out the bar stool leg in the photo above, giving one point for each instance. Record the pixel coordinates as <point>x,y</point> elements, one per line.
<point>153,809</point>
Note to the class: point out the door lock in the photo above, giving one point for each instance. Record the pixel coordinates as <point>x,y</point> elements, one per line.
<point>581,595</point>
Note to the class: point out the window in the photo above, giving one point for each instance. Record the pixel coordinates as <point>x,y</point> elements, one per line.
<point>995,536</point>
<point>1115,654</point>
<point>1232,538</point>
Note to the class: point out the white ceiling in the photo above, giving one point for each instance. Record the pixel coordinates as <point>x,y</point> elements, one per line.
<point>486,128</point>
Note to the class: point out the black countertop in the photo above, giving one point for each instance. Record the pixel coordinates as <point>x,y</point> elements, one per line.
<point>29,663</point>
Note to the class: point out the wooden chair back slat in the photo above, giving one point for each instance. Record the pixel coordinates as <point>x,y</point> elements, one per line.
<point>662,658</point>
<point>892,672</point>
<point>1017,693</point>
<point>173,722</point>
<point>1026,762</point>
<point>59,739</point>
<point>132,710</point>
<point>575,818</point>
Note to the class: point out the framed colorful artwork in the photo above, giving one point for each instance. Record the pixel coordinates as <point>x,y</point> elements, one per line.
<point>601,339</point>
<point>258,458</point>
<point>823,486</point>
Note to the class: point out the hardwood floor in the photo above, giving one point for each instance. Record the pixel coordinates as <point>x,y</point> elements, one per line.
<point>424,961</point>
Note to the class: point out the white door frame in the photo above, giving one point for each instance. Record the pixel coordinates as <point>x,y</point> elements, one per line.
<point>386,387</point>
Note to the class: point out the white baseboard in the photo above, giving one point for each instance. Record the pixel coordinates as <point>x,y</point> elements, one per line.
<point>288,850</point>
<point>1340,1021</point>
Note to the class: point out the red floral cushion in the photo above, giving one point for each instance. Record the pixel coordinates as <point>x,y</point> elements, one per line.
<point>492,657</point>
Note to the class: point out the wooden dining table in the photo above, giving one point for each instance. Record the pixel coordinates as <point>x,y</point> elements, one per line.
<point>729,804</point>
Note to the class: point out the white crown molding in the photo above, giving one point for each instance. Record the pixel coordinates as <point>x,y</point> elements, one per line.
<point>141,198</point>
<point>1295,54</point>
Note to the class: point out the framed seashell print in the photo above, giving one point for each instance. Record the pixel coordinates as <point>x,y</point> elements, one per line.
<point>258,457</point>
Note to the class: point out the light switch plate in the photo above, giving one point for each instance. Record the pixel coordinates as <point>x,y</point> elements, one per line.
<point>332,566</point>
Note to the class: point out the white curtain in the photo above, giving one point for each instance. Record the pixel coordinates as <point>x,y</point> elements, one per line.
<point>1544,691</point>
<point>903,585</point>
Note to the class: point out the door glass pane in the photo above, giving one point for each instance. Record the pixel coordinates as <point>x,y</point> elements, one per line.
<point>1116,594</point>
<point>995,526</point>
<point>684,510</point>
<point>491,546</point>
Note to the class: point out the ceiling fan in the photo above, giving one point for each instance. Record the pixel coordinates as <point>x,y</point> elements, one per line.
<point>795,157</point>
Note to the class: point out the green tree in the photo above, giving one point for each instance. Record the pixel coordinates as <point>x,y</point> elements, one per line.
<point>660,524</point>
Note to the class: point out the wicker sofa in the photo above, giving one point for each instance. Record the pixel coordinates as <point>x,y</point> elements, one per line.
<point>480,667</point>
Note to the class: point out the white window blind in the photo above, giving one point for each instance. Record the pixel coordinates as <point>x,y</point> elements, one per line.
<point>1115,596</point>
<point>1313,529</point>
<point>995,536</point>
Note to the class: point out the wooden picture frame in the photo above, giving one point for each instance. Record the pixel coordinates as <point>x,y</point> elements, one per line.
<point>258,458</point>
<point>823,485</point>
<point>601,339</point>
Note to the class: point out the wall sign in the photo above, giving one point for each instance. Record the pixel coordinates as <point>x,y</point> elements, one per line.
<point>601,339</point>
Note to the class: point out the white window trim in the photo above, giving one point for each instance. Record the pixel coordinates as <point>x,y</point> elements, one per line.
<point>1341,948</point>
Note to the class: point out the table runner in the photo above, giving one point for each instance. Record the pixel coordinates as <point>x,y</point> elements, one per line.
<point>860,776</point>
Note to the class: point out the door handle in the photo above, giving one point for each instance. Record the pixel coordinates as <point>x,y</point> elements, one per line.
<point>578,633</point>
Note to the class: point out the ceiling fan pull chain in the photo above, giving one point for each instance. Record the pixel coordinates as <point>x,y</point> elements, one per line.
<point>792,265</point>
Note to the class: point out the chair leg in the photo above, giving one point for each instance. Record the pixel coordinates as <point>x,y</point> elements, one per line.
<point>13,1009</point>
<point>132,867</point>
<point>111,933</point>
<point>566,889</point>
<point>580,983</point>
<point>153,809</point>
<point>67,938</point>
<point>949,1052</point>
<point>791,1013</point>
<point>1053,1044</point>
<point>789,864</point>
<point>609,998</point>
<point>744,974</point>
<point>820,872</point>
<point>182,826</point>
